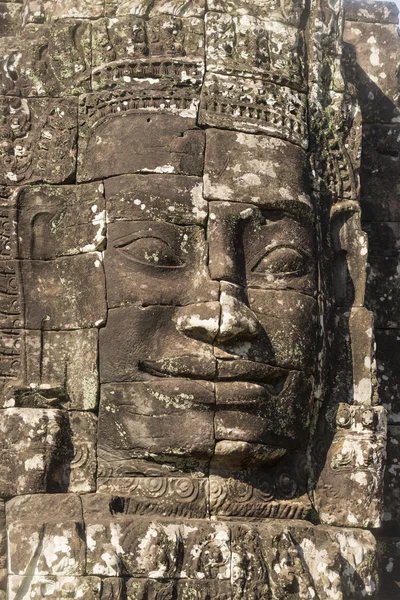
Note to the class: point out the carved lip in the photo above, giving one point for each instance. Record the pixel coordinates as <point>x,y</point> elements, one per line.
<point>195,367</point>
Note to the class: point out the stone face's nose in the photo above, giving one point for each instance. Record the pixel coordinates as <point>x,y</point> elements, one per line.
<point>224,235</point>
<point>224,321</point>
<point>199,321</point>
<point>237,321</point>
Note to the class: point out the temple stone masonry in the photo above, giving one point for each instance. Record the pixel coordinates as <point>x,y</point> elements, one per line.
<point>199,300</point>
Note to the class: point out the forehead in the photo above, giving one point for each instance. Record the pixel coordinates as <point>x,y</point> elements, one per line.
<point>164,166</point>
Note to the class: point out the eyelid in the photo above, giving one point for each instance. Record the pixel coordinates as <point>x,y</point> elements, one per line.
<point>123,243</point>
<point>138,235</point>
<point>271,247</point>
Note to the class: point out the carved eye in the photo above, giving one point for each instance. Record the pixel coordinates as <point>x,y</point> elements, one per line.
<point>151,251</point>
<point>282,260</point>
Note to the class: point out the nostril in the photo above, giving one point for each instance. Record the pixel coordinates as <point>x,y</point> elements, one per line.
<point>237,334</point>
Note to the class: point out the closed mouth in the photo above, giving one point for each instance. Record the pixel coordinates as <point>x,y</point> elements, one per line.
<point>218,370</point>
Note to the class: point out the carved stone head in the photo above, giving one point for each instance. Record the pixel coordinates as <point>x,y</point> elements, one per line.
<point>189,259</point>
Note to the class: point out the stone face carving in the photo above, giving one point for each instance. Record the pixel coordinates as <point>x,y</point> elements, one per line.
<point>189,404</point>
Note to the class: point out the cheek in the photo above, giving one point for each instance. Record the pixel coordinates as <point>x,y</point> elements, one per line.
<point>134,334</point>
<point>290,321</point>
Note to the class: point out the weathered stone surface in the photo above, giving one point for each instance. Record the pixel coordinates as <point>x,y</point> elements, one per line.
<point>39,140</point>
<point>374,50</point>
<point>181,590</point>
<point>380,174</point>
<point>11,301</point>
<point>166,47</point>
<point>12,355</point>
<point>251,247</point>
<point>383,238</point>
<point>54,296</point>
<point>35,451</point>
<point>64,360</point>
<point>351,250</point>
<point>147,548</point>
<point>364,563</point>
<point>129,353</point>
<point>53,537</point>
<point>286,315</point>
<point>183,176</point>
<point>370,11</point>
<point>244,167</point>
<point>48,61</point>
<point>56,548</point>
<point>10,18</point>
<point>141,8</point>
<point>173,198</point>
<point>253,559</point>
<point>290,14</point>
<point>388,565</point>
<point>153,421</point>
<point>83,466</point>
<point>46,10</point>
<point>252,480</point>
<point>275,411</point>
<point>387,357</point>
<point>355,459</point>
<point>362,354</point>
<point>163,143</point>
<point>254,106</point>
<point>166,496</point>
<point>392,493</point>
<point>244,44</point>
<point>50,369</point>
<point>46,586</point>
<point>60,221</point>
<point>382,293</point>
<point>67,508</point>
<point>169,261</point>
<point>3,551</point>
<point>8,228</point>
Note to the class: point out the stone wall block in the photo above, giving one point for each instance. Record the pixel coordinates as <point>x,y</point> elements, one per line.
<point>374,50</point>
<point>349,489</point>
<point>47,61</point>
<point>370,11</point>
<point>39,140</point>
<point>388,356</point>
<point>35,451</point>
<point>380,176</point>
<point>57,300</point>
<point>45,534</point>
<point>388,564</point>
<point>51,587</point>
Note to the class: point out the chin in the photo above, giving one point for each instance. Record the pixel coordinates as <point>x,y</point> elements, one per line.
<point>243,454</point>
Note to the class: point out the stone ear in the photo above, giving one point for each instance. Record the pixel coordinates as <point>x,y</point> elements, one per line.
<point>350,248</point>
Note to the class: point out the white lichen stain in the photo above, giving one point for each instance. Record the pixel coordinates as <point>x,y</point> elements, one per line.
<point>35,463</point>
<point>374,56</point>
<point>249,179</point>
<point>57,554</point>
<point>200,206</point>
<point>363,391</point>
<point>218,191</point>
<point>285,193</point>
